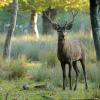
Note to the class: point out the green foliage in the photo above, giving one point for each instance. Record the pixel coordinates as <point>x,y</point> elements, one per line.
<point>43,5</point>
<point>51,59</point>
<point>4,3</point>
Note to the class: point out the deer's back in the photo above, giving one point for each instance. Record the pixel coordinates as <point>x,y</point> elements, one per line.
<point>71,50</point>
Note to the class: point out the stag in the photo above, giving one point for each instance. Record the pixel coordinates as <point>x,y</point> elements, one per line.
<point>69,52</point>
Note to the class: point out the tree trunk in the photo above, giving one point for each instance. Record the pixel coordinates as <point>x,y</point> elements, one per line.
<point>7,45</point>
<point>95,22</point>
<point>33,23</point>
<point>47,27</point>
<point>35,27</point>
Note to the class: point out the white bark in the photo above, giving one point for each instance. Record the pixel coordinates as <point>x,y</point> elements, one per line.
<point>35,27</point>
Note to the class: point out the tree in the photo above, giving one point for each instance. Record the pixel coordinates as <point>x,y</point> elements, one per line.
<point>39,6</point>
<point>33,23</point>
<point>4,2</point>
<point>27,5</point>
<point>7,45</point>
<point>95,22</point>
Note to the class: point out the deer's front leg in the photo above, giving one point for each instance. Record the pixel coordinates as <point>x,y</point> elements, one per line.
<point>69,75</point>
<point>64,75</point>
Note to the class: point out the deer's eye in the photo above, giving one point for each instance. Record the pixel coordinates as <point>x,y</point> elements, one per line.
<point>55,26</point>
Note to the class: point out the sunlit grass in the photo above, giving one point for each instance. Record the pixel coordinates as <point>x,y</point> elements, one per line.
<point>33,65</point>
<point>33,38</point>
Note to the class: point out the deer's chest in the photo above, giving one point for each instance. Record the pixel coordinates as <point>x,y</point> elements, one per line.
<point>61,53</point>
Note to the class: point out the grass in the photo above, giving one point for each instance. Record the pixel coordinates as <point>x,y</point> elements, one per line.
<point>39,58</point>
<point>13,69</point>
<point>14,89</point>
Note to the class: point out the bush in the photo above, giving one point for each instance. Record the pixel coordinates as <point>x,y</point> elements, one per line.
<point>34,51</point>
<point>51,75</point>
<point>48,54</point>
<point>13,70</point>
<point>51,59</point>
<point>54,75</point>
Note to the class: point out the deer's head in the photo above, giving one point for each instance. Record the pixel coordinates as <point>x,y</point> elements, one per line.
<point>66,26</point>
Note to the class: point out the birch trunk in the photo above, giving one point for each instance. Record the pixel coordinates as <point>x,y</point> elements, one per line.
<point>33,23</point>
<point>7,45</point>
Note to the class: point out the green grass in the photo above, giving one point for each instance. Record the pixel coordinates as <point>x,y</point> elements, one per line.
<point>39,58</point>
<point>14,89</point>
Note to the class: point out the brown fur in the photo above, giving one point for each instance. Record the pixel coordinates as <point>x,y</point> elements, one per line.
<point>70,50</point>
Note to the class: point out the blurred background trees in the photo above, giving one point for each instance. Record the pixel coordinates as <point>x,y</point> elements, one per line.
<point>31,17</point>
<point>59,8</point>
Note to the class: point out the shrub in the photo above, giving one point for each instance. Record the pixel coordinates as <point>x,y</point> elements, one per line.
<point>48,54</point>
<point>51,59</point>
<point>32,50</point>
<point>17,69</point>
<point>54,75</point>
<point>13,70</point>
<point>51,75</point>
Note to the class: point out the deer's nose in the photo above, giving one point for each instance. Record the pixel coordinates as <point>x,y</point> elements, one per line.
<point>60,31</point>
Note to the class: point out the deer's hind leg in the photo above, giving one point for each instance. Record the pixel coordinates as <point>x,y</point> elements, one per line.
<point>77,73</point>
<point>84,72</point>
<point>69,75</point>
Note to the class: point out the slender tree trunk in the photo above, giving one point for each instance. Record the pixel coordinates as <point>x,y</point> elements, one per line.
<point>7,45</point>
<point>35,27</point>
<point>47,27</point>
<point>33,23</point>
<point>95,22</point>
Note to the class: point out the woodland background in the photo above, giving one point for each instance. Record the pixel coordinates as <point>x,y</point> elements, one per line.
<point>28,49</point>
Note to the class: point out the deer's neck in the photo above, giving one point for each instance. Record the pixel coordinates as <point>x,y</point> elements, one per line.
<point>61,40</point>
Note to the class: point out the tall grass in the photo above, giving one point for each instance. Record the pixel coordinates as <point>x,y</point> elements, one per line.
<point>13,69</point>
<point>54,75</point>
<point>46,74</point>
<point>44,50</point>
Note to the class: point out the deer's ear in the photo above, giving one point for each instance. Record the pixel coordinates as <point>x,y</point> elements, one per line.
<point>68,27</point>
<point>55,26</point>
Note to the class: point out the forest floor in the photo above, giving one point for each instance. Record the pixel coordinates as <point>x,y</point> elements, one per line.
<point>13,90</point>
<point>43,80</point>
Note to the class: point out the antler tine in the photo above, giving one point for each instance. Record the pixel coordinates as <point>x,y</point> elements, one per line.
<point>73,14</point>
<point>48,17</point>
<point>65,23</point>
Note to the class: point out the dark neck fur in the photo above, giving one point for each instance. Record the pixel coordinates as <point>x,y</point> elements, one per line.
<point>61,37</point>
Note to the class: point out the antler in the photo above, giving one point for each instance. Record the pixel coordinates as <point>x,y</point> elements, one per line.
<point>48,17</point>
<point>71,22</point>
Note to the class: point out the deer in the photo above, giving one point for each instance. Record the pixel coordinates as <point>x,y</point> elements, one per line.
<point>69,52</point>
